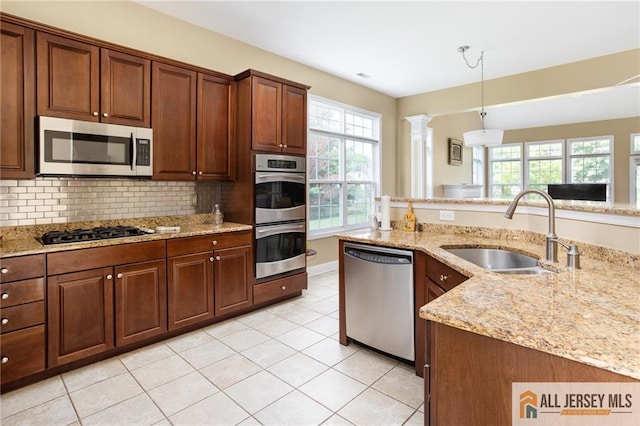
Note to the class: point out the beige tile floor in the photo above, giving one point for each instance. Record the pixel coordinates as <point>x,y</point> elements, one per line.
<point>281,365</point>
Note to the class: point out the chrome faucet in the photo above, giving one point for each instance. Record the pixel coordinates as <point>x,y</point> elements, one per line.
<point>552,241</point>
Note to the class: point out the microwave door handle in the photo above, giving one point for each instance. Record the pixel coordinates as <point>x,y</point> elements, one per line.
<point>132,151</point>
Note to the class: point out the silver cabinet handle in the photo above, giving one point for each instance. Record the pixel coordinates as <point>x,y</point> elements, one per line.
<point>119,275</point>
<point>5,321</point>
<point>5,359</point>
<point>95,113</point>
<point>211,258</point>
<point>109,276</point>
<point>217,257</point>
<point>193,172</point>
<point>105,115</point>
<point>214,242</point>
<point>5,296</point>
<point>200,173</point>
<point>443,277</point>
<point>4,271</point>
<point>284,287</point>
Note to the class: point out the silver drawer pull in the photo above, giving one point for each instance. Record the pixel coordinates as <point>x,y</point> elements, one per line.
<point>214,242</point>
<point>5,359</point>
<point>5,321</point>
<point>4,270</point>
<point>284,287</point>
<point>443,277</point>
<point>211,258</point>
<point>109,276</point>
<point>119,275</point>
<point>5,296</point>
<point>217,257</point>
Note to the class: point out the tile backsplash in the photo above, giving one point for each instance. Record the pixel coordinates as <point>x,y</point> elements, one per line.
<point>46,200</point>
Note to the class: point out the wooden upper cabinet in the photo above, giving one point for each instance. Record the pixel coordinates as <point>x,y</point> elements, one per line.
<point>68,78</point>
<point>125,89</point>
<point>17,109</point>
<point>78,80</point>
<point>278,114</point>
<point>215,147</point>
<point>174,122</point>
<point>266,115</point>
<point>294,120</point>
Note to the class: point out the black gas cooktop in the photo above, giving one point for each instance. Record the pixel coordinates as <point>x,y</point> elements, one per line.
<point>82,235</point>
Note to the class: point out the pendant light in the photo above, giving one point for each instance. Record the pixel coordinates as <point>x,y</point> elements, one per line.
<point>483,137</point>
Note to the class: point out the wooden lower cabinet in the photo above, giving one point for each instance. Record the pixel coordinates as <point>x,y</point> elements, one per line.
<point>232,279</point>
<point>470,376</point>
<point>80,315</point>
<point>22,353</point>
<point>190,289</point>
<point>140,301</point>
<point>282,287</point>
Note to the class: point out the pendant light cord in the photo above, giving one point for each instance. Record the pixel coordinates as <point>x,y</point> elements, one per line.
<point>480,62</point>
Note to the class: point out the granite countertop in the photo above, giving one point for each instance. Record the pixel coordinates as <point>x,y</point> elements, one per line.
<point>18,241</point>
<point>591,315</point>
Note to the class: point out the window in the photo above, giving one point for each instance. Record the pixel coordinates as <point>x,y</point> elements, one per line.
<point>342,165</point>
<point>543,164</point>
<point>505,170</point>
<point>635,169</point>
<point>589,161</point>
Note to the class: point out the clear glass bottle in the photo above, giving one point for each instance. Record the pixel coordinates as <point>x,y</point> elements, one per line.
<point>217,215</point>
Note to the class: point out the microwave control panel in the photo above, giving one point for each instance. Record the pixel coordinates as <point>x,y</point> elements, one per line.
<point>143,152</point>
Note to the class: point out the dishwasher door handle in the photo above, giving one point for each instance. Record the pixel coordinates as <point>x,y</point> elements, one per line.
<point>383,258</point>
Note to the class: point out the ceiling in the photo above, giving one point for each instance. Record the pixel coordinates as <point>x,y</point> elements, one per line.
<point>408,48</point>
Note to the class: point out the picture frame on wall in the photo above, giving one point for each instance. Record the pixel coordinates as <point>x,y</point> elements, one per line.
<point>455,152</point>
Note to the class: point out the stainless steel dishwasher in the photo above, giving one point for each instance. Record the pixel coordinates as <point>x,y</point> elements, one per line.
<point>379,298</point>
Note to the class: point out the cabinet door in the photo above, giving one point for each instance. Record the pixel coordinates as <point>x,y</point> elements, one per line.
<point>232,279</point>
<point>294,120</point>
<point>215,151</point>
<point>125,89</point>
<point>266,123</point>
<point>141,301</point>
<point>173,118</point>
<point>190,289</point>
<point>68,78</point>
<point>80,315</point>
<point>17,109</point>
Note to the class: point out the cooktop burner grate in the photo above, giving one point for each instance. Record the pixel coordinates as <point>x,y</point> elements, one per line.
<point>82,235</point>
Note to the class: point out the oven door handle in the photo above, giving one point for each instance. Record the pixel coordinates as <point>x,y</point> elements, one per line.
<point>278,229</point>
<point>281,177</point>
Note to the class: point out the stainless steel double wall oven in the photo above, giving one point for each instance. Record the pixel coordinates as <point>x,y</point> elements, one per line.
<point>280,197</point>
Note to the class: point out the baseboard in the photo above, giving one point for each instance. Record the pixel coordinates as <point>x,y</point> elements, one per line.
<point>322,268</point>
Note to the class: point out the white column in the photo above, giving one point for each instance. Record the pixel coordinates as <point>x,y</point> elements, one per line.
<point>421,156</point>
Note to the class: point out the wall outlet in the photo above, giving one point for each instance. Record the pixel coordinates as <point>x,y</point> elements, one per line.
<point>447,215</point>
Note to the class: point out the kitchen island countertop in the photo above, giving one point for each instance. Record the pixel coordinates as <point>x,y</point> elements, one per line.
<point>591,315</point>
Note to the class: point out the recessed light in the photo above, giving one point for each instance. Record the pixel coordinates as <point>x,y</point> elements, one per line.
<point>363,75</point>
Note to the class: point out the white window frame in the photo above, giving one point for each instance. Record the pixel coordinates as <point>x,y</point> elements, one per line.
<point>376,141</point>
<point>569,157</point>
<point>527,159</point>
<point>634,163</point>
<point>489,188</point>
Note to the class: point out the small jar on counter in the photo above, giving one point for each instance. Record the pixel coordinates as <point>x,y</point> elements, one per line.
<point>217,215</point>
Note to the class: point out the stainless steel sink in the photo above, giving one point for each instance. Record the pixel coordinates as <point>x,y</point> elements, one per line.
<point>500,260</point>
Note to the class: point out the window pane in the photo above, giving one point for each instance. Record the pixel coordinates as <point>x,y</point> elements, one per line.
<point>325,207</point>
<point>509,151</point>
<point>323,157</point>
<point>636,143</point>
<point>504,191</point>
<point>325,117</point>
<point>588,147</point>
<point>359,160</point>
<point>590,169</point>
<point>505,172</point>
<point>359,203</point>
<point>543,172</point>
<point>358,125</point>
<point>541,150</point>
<point>638,184</point>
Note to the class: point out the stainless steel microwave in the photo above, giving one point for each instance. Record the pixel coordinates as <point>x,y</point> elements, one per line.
<point>83,148</point>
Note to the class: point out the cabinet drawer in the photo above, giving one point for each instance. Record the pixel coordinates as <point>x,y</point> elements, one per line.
<point>444,276</point>
<point>19,292</point>
<point>199,244</point>
<point>21,268</point>
<point>22,353</point>
<point>21,316</point>
<point>278,288</point>
<point>100,257</point>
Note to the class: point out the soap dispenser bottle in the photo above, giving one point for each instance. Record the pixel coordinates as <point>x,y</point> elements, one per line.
<point>409,219</point>
<point>217,215</point>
